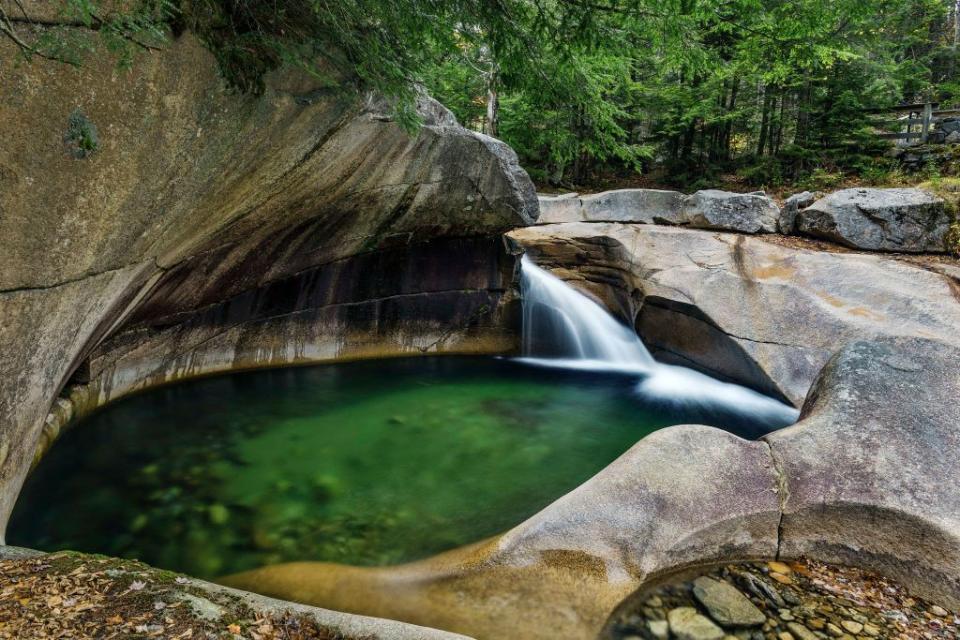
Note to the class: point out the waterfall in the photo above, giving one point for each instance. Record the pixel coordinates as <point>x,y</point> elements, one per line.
<point>564,328</point>
<point>563,323</point>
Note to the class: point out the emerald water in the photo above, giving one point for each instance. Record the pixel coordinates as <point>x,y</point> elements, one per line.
<point>367,463</point>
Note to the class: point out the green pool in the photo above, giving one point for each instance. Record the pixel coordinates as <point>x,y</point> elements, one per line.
<point>367,463</point>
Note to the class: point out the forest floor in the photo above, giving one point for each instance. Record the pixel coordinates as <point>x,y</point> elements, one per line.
<point>803,600</point>
<point>72,595</point>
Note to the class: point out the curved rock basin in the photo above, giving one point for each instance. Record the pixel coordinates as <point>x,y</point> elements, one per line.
<point>366,463</point>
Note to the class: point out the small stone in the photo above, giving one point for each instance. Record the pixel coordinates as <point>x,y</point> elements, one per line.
<point>801,632</point>
<point>659,629</point>
<point>687,624</point>
<point>817,623</point>
<point>939,611</point>
<point>654,602</point>
<point>782,579</point>
<point>785,635</point>
<point>726,604</point>
<point>871,630</point>
<point>786,615</point>
<point>852,626</point>
<point>834,630</point>
<point>779,567</point>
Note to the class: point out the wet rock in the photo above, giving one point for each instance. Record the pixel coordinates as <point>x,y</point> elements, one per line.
<point>726,604</point>
<point>852,626</point>
<point>659,629</point>
<point>687,624</point>
<point>726,211</point>
<point>800,632</point>
<point>907,220</point>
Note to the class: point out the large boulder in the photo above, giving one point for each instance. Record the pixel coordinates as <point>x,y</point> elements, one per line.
<point>726,211</point>
<point>644,206</point>
<point>906,220</point>
<point>207,230</point>
<point>869,472</point>
<point>741,308</point>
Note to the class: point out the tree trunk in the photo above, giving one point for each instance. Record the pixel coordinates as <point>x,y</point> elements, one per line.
<point>779,138</point>
<point>764,121</point>
<point>803,114</point>
<point>728,127</point>
<point>491,123</point>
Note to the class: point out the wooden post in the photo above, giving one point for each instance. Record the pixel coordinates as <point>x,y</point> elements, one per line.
<point>927,117</point>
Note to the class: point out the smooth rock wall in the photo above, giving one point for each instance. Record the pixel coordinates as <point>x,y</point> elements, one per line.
<point>197,195</point>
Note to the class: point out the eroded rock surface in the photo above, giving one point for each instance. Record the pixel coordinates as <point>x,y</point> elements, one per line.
<point>908,220</point>
<point>867,467</point>
<point>742,309</point>
<point>209,230</point>
<point>859,480</point>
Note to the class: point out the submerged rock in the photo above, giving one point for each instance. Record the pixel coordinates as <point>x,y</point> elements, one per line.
<point>726,604</point>
<point>687,624</point>
<point>908,220</point>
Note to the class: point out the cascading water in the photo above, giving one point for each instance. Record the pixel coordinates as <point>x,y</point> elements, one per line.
<point>562,322</point>
<point>564,328</point>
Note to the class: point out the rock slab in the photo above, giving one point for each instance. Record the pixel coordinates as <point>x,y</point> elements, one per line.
<point>708,209</point>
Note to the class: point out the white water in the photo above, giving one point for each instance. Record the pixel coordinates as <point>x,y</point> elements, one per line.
<point>564,328</point>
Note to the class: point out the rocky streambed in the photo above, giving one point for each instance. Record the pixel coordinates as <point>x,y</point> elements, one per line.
<point>800,600</point>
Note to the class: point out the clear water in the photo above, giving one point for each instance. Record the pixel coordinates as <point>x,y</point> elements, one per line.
<point>369,463</point>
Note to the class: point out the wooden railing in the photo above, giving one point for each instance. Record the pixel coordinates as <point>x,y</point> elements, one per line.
<point>920,120</point>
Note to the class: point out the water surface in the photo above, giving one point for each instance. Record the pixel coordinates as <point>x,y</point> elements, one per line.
<point>367,463</point>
